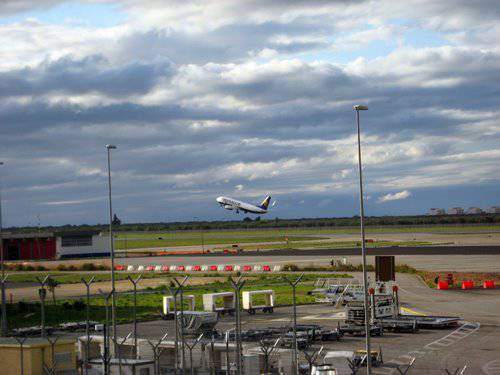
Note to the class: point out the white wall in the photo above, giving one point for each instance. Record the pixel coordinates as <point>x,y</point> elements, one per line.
<point>100,244</point>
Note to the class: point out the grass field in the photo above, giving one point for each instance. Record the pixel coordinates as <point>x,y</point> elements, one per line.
<point>282,232</point>
<point>149,304</point>
<point>164,240</point>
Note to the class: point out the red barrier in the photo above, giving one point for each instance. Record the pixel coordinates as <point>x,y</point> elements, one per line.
<point>150,268</point>
<point>467,284</point>
<point>266,268</point>
<point>120,268</point>
<point>196,268</point>
<point>489,284</point>
<point>181,268</point>
<point>443,285</point>
<point>213,268</point>
<point>165,268</point>
<point>228,268</point>
<point>247,268</point>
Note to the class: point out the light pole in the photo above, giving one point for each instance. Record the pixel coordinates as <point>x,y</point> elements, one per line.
<point>110,147</point>
<point>358,108</point>
<point>4,305</point>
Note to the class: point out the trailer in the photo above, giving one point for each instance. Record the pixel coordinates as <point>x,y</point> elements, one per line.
<point>226,299</point>
<point>251,307</point>
<point>168,305</point>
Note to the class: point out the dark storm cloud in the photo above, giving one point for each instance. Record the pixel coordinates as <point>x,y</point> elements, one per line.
<point>92,74</point>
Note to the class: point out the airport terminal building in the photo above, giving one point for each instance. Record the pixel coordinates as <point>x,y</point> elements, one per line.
<point>57,245</point>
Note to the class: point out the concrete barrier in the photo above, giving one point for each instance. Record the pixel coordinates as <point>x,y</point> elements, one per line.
<point>467,284</point>
<point>277,268</point>
<point>130,268</point>
<point>443,285</point>
<point>205,267</point>
<point>140,268</point>
<point>489,284</point>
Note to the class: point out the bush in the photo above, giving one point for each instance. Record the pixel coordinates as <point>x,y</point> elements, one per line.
<point>79,305</point>
<point>88,267</point>
<point>72,267</point>
<point>40,268</point>
<point>290,267</point>
<point>61,267</point>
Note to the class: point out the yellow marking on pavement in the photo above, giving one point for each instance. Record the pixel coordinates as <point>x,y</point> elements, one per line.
<point>405,309</point>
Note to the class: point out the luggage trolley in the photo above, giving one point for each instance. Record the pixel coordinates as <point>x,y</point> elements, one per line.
<point>250,306</point>
<point>210,302</point>
<point>168,305</point>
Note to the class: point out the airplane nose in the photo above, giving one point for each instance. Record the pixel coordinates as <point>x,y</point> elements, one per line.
<point>219,199</point>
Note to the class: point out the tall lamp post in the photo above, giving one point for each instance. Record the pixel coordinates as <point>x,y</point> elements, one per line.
<point>4,305</point>
<point>358,108</point>
<point>110,147</point>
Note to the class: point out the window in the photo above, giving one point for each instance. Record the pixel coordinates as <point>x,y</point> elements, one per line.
<point>62,357</point>
<point>74,241</point>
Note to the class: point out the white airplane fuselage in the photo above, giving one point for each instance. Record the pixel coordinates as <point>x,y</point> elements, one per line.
<point>236,205</point>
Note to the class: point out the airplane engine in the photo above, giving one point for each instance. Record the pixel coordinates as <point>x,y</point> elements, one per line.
<point>228,207</point>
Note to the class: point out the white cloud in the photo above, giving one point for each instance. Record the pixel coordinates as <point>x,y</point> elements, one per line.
<point>394,196</point>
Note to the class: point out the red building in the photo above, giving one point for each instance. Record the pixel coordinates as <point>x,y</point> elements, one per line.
<point>29,246</point>
<point>34,246</point>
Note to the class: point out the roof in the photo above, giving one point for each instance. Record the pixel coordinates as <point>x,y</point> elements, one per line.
<point>9,236</point>
<point>32,342</point>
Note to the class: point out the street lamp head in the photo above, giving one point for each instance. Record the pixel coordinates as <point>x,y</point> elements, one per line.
<point>1,162</point>
<point>110,147</point>
<point>360,108</point>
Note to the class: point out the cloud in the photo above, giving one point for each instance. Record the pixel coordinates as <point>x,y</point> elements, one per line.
<point>394,196</point>
<point>207,98</point>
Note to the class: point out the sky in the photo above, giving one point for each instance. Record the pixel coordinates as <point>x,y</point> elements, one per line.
<point>246,98</point>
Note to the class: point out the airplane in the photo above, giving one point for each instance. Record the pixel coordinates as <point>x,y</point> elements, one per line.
<point>233,204</point>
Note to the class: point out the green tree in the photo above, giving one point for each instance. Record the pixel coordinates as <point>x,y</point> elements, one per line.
<point>51,286</point>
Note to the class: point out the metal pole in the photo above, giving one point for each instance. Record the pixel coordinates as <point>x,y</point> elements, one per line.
<point>294,284</point>
<point>87,322</point>
<point>183,341</point>
<point>237,286</point>
<point>21,341</point>
<point>134,283</point>
<point>42,293</point>
<point>363,248</point>
<point>4,304</point>
<point>175,292</point>
<point>111,245</point>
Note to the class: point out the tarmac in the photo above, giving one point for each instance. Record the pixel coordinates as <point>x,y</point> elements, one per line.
<point>473,343</point>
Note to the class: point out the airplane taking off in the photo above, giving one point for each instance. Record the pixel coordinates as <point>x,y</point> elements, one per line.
<point>233,204</point>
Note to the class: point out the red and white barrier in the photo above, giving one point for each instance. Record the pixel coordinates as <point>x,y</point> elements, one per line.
<point>489,284</point>
<point>225,268</point>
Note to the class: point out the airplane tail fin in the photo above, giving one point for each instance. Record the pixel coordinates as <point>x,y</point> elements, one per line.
<point>265,203</point>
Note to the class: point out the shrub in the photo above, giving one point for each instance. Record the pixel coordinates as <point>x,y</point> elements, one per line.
<point>88,267</point>
<point>29,268</point>
<point>61,267</point>
<point>40,268</point>
<point>72,267</point>
<point>290,267</point>
<point>79,305</point>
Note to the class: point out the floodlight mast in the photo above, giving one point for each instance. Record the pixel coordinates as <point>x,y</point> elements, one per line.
<point>110,147</point>
<point>358,108</point>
